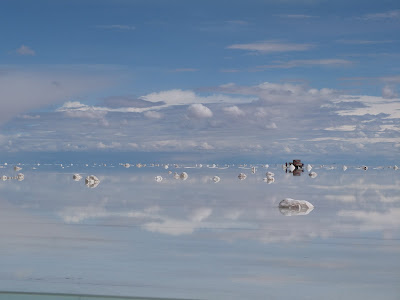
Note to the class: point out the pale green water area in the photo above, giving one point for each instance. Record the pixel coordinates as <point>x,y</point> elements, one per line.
<point>131,236</point>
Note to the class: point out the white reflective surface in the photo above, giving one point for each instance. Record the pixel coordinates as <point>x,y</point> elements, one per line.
<point>131,235</point>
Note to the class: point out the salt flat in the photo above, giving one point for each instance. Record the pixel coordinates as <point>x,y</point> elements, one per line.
<point>133,235</point>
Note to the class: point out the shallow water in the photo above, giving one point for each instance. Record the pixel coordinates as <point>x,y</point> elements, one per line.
<point>196,239</point>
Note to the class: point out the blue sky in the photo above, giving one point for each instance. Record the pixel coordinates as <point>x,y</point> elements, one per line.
<point>298,77</point>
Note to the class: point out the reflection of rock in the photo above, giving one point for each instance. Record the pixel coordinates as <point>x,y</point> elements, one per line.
<point>292,207</point>
<point>16,168</point>
<point>270,174</point>
<point>365,168</point>
<point>158,178</point>
<point>92,181</point>
<point>291,168</point>
<point>269,180</point>
<point>216,179</point>
<point>309,168</point>
<point>20,177</point>
<point>242,176</point>
<point>183,176</point>
<point>4,177</point>
<point>253,170</point>
<point>76,177</point>
<point>176,175</point>
<point>344,168</point>
<point>127,165</point>
<point>313,174</point>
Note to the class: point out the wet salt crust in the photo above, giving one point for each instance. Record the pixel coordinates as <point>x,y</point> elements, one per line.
<point>133,235</point>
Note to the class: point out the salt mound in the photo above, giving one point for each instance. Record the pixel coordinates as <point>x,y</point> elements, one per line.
<point>76,177</point>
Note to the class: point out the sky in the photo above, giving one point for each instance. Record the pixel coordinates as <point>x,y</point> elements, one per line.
<point>310,77</point>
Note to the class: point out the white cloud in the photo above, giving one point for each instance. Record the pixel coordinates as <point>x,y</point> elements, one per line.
<point>117,26</point>
<point>372,106</point>
<point>271,46</point>
<point>22,91</point>
<point>391,14</point>
<point>388,92</point>
<point>86,114</point>
<point>309,62</point>
<point>113,145</point>
<point>25,50</point>
<point>152,114</point>
<point>199,111</point>
<point>182,97</point>
<point>233,111</point>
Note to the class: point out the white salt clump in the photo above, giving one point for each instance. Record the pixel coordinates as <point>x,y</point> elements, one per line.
<point>127,165</point>
<point>216,179</point>
<point>395,167</point>
<point>291,168</point>
<point>176,175</point>
<point>270,174</point>
<point>139,165</point>
<point>313,174</point>
<point>242,176</point>
<point>20,177</point>
<point>5,164</point>
<point>183,176</point>
<point>4,177</point>
<point>266,166</point>
<point>16,168</point>
<point>166,167</point>
<point>170,172</point>
<point>292,207</point>
<point>158,178</point>
<point>200,165</point>
<point>92,181</point>
<point>309,168</point>
<point>77,177</point>
<point>344,168</point>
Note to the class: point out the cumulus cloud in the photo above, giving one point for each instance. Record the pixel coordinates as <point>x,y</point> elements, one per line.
<point>152,114</point>
<point>199,111</point>
<point>233,111</point>
<point>271,46</point>
<point>25,50</point>
<point>389,92</point>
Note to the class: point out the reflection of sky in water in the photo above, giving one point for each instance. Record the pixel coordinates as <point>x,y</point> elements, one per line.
<point>197,239</point>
